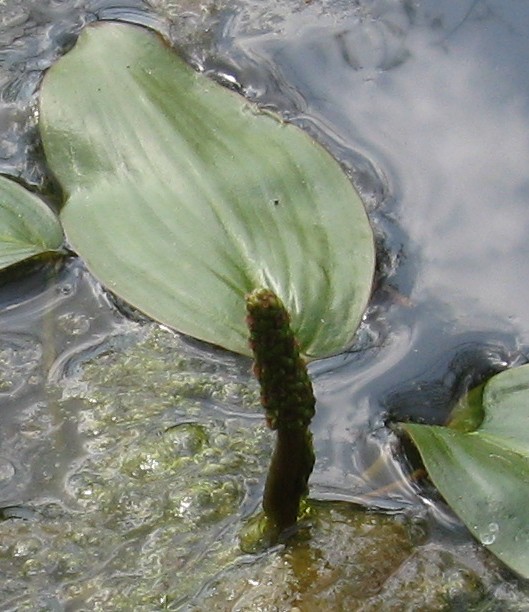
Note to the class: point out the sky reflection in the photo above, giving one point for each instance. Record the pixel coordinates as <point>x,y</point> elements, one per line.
<point>447,126</point>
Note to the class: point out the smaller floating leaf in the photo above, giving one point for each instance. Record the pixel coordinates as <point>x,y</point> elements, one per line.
<point>27,226</point>
<point>484,474</point>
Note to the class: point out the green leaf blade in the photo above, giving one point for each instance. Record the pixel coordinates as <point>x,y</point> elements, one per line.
<point>28,228</point>
<point>484,475</point>
<point>183,197</point>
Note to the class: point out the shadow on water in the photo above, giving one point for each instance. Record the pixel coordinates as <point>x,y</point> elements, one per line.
<point>425,105</point>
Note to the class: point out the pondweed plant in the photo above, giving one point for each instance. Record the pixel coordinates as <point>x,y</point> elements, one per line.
<point>194,199</point>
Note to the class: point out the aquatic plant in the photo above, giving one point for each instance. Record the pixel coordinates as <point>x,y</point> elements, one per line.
<point>182,197</point>
<point>28,227</point>
<point>193,199</point>
<point>288,400</point>
<point>480,463</point>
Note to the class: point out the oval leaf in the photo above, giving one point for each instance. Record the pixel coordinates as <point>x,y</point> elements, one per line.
<point>27,226</point>
<point>484,474</point>
<point>182,197</point>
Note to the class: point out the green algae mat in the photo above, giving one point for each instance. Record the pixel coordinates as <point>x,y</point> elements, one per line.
<point>163,477</point>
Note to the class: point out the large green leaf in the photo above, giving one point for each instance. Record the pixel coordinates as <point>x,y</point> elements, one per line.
<point>27,226</point>
<point>182,197</point>
<point>484,474</point>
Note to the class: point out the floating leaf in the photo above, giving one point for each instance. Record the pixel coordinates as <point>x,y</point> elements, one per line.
<point>484,474</point>
<point>182,197</point>
<point>27,226</point>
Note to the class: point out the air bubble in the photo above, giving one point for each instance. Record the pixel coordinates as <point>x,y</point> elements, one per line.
<point>489,534</point>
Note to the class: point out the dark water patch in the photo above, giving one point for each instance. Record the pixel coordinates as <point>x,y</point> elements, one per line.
<point>449,375</point>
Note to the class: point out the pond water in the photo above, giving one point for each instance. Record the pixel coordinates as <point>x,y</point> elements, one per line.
<point>129,456</point>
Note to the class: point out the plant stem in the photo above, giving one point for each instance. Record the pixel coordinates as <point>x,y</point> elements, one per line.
<point>288,401</point>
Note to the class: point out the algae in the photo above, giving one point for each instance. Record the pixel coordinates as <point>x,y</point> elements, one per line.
<point>347,558</point>
<point>162,462</point>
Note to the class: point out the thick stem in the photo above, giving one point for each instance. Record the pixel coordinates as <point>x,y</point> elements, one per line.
<point>288,400</point>
<point>288,475</point>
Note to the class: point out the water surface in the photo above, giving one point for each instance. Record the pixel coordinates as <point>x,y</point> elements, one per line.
<point>426,106</point>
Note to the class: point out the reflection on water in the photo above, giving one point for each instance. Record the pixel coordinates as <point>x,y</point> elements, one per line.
<point>426,105</point>
<point>41,332</point>
<point>436,99</point>
<point>444,119</point>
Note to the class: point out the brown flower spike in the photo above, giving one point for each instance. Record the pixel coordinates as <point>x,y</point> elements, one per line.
<point>288,400</point>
